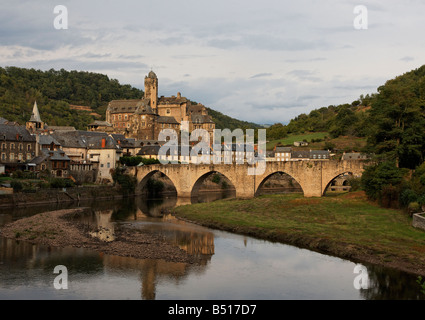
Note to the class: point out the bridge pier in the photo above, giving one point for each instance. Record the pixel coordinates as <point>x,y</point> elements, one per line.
<point>184,194</point>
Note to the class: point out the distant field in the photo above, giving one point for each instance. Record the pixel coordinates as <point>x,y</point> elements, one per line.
<point>299,137</point>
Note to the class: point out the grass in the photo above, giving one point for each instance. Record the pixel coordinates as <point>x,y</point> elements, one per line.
<point>299,137</point>
<point>345,225</point>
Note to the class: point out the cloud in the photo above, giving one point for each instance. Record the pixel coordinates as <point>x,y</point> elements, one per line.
<point>261,75</point>
<point>407,59</point>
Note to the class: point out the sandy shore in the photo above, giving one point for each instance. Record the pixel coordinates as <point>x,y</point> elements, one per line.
<point>60,229</point>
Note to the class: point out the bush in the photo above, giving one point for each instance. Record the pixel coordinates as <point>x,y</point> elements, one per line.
<point>375,178</point>
<point>216,179</point>
<point>329,145</point>
<point>127,183</point>
<point>16,185</point>
<point>61,183</point>
<point>408,196</point>
<point>414,207</point>
<point>355,183</point>
<point>134,161</point>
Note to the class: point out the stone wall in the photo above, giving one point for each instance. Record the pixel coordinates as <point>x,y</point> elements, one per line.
<point>58,195</point>
<point>419,221</point>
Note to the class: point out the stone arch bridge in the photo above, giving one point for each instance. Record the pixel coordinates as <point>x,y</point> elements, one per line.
<point>313,176</point>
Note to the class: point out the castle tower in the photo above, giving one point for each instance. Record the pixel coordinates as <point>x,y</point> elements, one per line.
<point>151,90</point>
<point>35,124</point>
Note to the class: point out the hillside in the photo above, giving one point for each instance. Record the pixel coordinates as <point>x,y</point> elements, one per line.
<point>222,121</point>
<point>71,98</point>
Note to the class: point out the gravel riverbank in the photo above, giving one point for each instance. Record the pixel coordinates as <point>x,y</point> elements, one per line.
<point>61,229</point>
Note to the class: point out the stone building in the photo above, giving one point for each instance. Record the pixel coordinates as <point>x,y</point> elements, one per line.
<point>17,145</point>
<point>143,119</point>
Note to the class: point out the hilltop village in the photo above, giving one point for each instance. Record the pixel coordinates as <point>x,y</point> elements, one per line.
<point>131,129</point>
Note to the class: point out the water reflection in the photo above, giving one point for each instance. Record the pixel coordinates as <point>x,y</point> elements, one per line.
<point>230,267</point>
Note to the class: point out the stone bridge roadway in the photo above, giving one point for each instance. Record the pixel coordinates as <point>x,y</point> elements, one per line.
<point>313,176</point>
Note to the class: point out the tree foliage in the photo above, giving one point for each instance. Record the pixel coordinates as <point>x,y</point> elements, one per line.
<point>55,91</point>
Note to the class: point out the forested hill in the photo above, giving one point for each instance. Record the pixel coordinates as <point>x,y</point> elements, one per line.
<point>353,118</point>
<point>391,120</point>
<point>55,91</point>
<point>58,91</point>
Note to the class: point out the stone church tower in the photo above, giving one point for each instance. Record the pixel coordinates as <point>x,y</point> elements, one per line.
<point>151,90</point>
<point>35,124</point>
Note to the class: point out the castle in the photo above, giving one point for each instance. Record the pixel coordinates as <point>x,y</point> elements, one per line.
<point>143,119</point>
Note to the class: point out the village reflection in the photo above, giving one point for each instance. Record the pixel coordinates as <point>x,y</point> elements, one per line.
<point>153,216</point>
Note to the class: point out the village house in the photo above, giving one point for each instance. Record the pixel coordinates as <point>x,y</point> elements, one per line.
<point>90,151</point>
<point>55,161</point>
<point>300,144</point>
<point>282,153</point>
<point>319,155</point>
<point>300,155</point>
<point>354,156</point>
<point>17,146</point>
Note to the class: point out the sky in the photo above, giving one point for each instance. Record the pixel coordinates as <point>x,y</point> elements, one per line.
<point>262,61</point>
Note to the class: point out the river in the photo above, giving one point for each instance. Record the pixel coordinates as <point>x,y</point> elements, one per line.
<point>231,266</point>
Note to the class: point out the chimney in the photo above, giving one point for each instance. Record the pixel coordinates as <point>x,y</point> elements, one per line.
<point>179,95</point>
<point>17,137</point>
<point>103,142</point>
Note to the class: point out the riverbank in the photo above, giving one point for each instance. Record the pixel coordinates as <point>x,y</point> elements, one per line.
<point>346,226</point>
<point>63,228</point>
<point>48,196</point>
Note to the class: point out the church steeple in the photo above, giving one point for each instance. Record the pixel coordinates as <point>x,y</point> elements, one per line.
<point>35,124</point>
<point>35,117</point>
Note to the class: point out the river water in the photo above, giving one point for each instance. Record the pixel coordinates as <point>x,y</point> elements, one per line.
<point>231,267</point>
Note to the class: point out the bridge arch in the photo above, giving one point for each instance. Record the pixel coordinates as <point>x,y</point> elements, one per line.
<point>143,180</point>
<point>344,183</point>
<point>269,175</point>
<point>201,179</point>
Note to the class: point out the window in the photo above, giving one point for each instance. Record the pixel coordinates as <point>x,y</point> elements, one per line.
<point>119,117</point>
<point>168,111</point>
<point>3,156</point>
<point>12,157</point>
<point>113,118</point>
<point>21,147</point>
<point>28,156</point>
<point>3,146</point>
<point>12,146</point>
<point>28,147</point>
<point>125,117</point>
<point>108,165</point>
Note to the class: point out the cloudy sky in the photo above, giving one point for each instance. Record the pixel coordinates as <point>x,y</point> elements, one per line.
<point>262,61</point>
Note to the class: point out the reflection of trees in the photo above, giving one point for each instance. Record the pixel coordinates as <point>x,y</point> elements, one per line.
<point>390,284</point>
